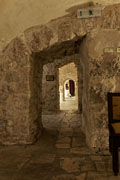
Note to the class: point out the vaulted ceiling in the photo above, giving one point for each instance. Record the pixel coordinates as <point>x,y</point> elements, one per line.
<point>18,15</point>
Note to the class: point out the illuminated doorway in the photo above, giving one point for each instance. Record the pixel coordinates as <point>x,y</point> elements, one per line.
<point>68,87</point>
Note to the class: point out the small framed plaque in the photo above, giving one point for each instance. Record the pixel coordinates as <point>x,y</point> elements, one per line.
<point>50,78</point>
<point>91,12</point>
<point>109,50</point>
<point>118,49</point>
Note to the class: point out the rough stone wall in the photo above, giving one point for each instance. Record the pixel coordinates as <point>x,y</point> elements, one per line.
<point>14,93</point>
<point>20,92</point>
<point>49,88</point>
<point>35,107</point>
<point>83,89</point>
<point>59,38</point>
<point>104,77</point>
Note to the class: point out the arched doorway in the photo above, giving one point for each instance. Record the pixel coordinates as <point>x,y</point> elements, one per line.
<point>68,87</point>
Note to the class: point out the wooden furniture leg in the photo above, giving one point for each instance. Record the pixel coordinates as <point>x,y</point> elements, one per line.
<point>115,160</point>
<point>110,144</point>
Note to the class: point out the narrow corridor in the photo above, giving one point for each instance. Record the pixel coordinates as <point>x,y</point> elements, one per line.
<point>60,154</point>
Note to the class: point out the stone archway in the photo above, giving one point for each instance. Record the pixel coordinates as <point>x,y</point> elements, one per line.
<point>22,77</point>
<point>55,53</point>
<point>19,109</point>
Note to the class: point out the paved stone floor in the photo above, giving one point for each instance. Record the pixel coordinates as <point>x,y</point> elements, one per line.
<point>70,104</point>
<point>60,154</point>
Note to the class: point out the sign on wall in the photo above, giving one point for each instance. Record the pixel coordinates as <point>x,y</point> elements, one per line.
<point>49,77</point>
<point>108,50</point>
<point>91,12</point>
<point>118,49</point>
<point>112,50</point>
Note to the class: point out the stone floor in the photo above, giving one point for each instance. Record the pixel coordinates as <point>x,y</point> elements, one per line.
<point>69,104</point>
<point>60,154</point>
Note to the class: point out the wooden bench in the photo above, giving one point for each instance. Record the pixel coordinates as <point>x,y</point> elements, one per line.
<point>114,129</point>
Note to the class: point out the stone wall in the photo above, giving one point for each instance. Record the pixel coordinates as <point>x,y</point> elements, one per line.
<point>104,76</point>
<point>35,101</point>
<point>16,16</point>
<point>83,89</point>
<point>14,93</point>
<point>49,88</point>
<point>21,73</point>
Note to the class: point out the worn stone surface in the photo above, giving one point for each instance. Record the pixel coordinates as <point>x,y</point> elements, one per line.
<point>64,177</point>
<point>70,165</point>
<point>104,70</point>
<point>43,161</point>
<point>64,146</point>
<point>81,177</point>
<point>21,69</point>
<point>14,92</point>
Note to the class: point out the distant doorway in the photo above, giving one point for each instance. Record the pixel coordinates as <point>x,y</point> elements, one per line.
<point>68,87</point>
